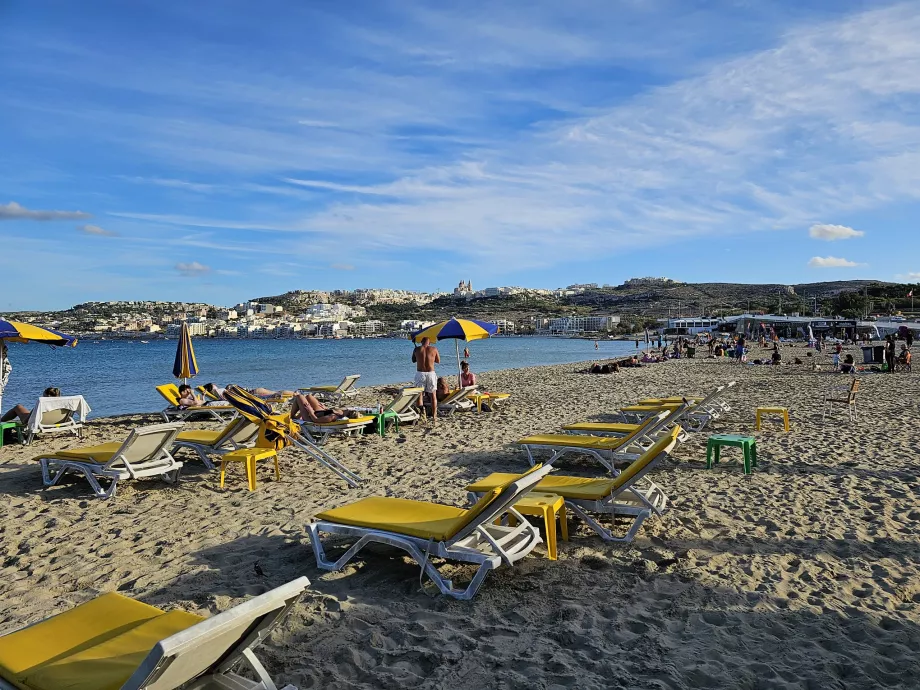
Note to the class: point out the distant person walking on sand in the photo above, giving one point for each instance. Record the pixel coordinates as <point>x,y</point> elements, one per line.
<point>425,357</point>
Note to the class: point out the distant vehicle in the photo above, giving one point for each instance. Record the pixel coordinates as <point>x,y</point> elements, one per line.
<point>899,319</point>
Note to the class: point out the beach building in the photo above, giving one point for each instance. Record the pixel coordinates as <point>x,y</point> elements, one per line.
<point>505,327</point>
<point>691,325</point>
<point>576,325</point>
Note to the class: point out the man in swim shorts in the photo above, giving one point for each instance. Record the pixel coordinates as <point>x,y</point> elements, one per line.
<point>425,357</point>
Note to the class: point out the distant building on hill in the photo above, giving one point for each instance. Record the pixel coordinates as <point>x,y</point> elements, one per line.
<point>649,282</point>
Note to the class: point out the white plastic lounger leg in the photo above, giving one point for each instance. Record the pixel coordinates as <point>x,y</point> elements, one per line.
<point>605,533</point>
<point>61,469</point>
<point>444,585</point>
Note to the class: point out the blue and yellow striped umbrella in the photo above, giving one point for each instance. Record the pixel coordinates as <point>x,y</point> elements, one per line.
<point>456,329</point>
<point>459,329</point>
<point>17,332</point>
<point>185,366</point>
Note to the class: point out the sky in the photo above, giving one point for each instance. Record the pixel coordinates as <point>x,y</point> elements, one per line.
<point>223,150</point>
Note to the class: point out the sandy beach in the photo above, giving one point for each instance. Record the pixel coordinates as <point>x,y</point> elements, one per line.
<point>805,574</point>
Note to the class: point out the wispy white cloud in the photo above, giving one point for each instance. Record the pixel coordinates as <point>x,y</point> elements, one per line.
<point>910,277</point>
<point>96,230</point>
<point>13,211</point>
<point>831,262</point>
<point>342,267</point>
<point>831,233</point>
<point>192,269</point>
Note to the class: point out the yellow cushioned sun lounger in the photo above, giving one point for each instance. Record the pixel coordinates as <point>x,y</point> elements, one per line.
<point>432,530</point>
<point>605,449</point>
<point>630,493</point>
<point>145,453</point>
<point>114,642</point>
<point>170,392</point>
<point>239,433</point>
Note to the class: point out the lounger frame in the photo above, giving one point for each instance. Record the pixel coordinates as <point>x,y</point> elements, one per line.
<point>481,542</point>
<point>228,442</point>
<point>53,422</point>
<point>158,461</point>
<point>631,450</point>
<point>345,389</point>
<point>629,500</point>
<point>697,416</point>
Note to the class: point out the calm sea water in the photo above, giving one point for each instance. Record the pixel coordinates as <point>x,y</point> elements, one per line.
<point>118,377</point>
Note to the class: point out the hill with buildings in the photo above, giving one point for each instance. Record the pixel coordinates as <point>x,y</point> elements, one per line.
<point>626,308</point>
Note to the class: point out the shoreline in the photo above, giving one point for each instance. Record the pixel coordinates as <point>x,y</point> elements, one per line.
<point>781,578</point>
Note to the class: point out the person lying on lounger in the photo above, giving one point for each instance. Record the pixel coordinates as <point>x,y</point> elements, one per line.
<point>214,389</point>
<point>309,409</point>
<point>24,412</point>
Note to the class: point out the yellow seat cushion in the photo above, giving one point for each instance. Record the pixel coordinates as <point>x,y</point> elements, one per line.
<point>415,518</point>
<point>587,488</point>
<point>400,515</point>
<point>201,436</point>
<point>672,399</point>
<point>100,454</point>
<point>356,421</point>
<point>321,388</point>
<point>107,665</point>
<point>658,407</point>
<point>68,633</point>
<point>608,427</point>
<point>590,442</point>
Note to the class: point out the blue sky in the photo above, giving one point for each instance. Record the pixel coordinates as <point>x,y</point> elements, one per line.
<point>223,150</point>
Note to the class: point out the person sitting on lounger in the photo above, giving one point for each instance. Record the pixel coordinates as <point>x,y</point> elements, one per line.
<point>776,357</point>
<point>467,377</point>
<point>24,412</point>
<point>187,397</point>
<point>309,409</point>
<point>905,356</point>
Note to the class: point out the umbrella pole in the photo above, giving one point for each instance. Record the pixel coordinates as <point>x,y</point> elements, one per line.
<point>2,382</point>
<point>459,371</point>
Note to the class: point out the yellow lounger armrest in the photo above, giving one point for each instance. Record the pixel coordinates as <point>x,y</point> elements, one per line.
<point>603,427</point>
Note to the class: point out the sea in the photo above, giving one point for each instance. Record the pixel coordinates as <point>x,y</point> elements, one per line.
<point>119,376</point>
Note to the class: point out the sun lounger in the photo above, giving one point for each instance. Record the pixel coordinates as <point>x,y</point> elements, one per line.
<point>239,433</point>
<point>145,453</point>
<point>607,450</point>
<point>631,493</point>
<point>715,401</point>
<point>402,406</point>
<point>432,530</point>
<point>458,400</point>
<point>697,416</point>
<point>170,393</point>
<point>319,432</point>
<point>334,394</point>
<point>113,642</point>
<point>53,415</point>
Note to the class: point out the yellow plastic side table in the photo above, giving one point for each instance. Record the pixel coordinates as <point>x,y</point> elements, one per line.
<point>547,506</point>
<point>250,456</point>
<point>771,410</point>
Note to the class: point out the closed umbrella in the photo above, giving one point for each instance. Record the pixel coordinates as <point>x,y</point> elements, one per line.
<point>185,366</point>
<point>456,329</point>
<point>17,332</point>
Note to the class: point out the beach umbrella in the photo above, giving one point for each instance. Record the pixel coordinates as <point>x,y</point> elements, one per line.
<point>17,332</point>
<point>185,366</point>
<point>279,430</point>
<point>456,330</point>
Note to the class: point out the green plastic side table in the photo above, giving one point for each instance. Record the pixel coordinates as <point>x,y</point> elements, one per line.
<point>381,421</point>
<point>10,425</point>
<point>747,444</point>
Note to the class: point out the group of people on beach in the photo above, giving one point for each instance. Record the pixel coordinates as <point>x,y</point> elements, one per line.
<point>304,406</point>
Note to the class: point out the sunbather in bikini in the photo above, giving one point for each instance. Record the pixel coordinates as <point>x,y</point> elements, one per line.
<point>309,409</point>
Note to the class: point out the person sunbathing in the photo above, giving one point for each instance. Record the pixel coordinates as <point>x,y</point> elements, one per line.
<point>24,412</point>
<point>187,397</point>
<point>218,391</point>
<point>309,409</point>
<point>848,366</point>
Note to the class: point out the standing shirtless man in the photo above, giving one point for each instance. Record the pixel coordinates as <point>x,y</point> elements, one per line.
<point>425,357</point>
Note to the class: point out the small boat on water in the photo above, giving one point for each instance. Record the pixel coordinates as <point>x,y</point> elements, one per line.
<point>145,342</point>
